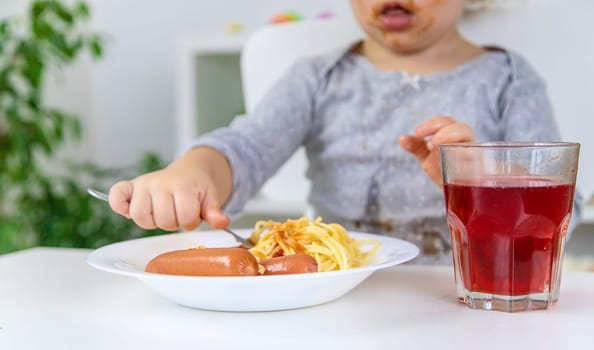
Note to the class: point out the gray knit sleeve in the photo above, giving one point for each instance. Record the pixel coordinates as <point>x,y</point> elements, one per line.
<point>257,144</point>
<point>526,110</point>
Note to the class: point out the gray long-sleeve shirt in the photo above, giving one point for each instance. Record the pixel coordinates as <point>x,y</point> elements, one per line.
<point>348,114</point>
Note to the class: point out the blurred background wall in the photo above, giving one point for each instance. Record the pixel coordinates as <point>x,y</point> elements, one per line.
<point>127,100</point>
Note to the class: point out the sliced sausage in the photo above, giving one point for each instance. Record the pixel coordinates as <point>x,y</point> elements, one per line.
<point>288,264</point>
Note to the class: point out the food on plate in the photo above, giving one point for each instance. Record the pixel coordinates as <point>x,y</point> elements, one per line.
<point>205,262</point>
<point>289,264</point>
<point>329,244</point>
<point>290,247</point>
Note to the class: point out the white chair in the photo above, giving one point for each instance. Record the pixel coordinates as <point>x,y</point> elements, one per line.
<point>266,55</point>
<point>555,36</point>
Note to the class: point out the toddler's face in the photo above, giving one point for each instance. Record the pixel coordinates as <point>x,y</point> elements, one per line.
<point>407,25</point>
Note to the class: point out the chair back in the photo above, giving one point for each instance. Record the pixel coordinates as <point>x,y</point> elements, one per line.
<point>268,53</point>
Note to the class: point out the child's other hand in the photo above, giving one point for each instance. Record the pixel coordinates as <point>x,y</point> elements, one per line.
<point>429,135</point>
<point>175,197</point>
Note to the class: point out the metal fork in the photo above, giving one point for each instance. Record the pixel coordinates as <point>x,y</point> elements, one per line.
<point>105,197</point>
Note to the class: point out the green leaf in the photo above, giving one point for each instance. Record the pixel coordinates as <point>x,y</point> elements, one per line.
<point>82,10</point>
<point>32,54</point>
<point>33,102</point>
<point>77,45</point>
<point>63,13</point>
<point>96,46</point>
<point>42,30</point>
<point>32,71</point>
<point>32,137</point>
<point>6,86</point>
<point>39,136</point>
<point>4,29</point>
<point>38,8</point>
<point>13,115</point>
<point>59,43</point>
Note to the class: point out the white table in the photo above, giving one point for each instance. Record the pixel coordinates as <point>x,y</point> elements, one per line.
<point>51,299</point>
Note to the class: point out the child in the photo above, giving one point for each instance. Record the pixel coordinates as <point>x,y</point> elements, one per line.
<point>370,116</point>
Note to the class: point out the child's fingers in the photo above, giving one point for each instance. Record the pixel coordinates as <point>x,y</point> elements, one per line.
<point>141,209</point>
<point>452,133</point>
<point>164,210</point>
<point>433,125</point>
<point>211,210</point>
<point>187,210</point>
<point>415,145</point>
<point>120,195</point>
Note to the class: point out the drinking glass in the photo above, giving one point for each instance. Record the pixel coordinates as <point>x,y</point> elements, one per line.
<point>508,208</point>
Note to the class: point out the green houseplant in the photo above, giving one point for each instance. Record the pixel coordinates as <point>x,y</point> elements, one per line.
<point>41,204</point>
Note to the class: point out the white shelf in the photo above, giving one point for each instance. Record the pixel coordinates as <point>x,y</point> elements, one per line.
<point>207,68</point>
<point>216,43</point>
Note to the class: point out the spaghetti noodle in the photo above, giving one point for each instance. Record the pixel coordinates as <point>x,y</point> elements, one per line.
<point>329,244</point>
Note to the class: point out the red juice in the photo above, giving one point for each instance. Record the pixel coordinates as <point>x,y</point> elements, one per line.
<point>508,233</point>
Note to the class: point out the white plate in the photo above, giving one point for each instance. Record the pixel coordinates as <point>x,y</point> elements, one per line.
<point>252,293</point>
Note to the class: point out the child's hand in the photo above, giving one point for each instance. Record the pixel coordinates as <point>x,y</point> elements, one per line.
<point>178,196</point>
<point>430,134</point>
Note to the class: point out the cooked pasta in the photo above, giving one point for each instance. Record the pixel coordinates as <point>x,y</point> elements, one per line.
<point>329,244</point>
